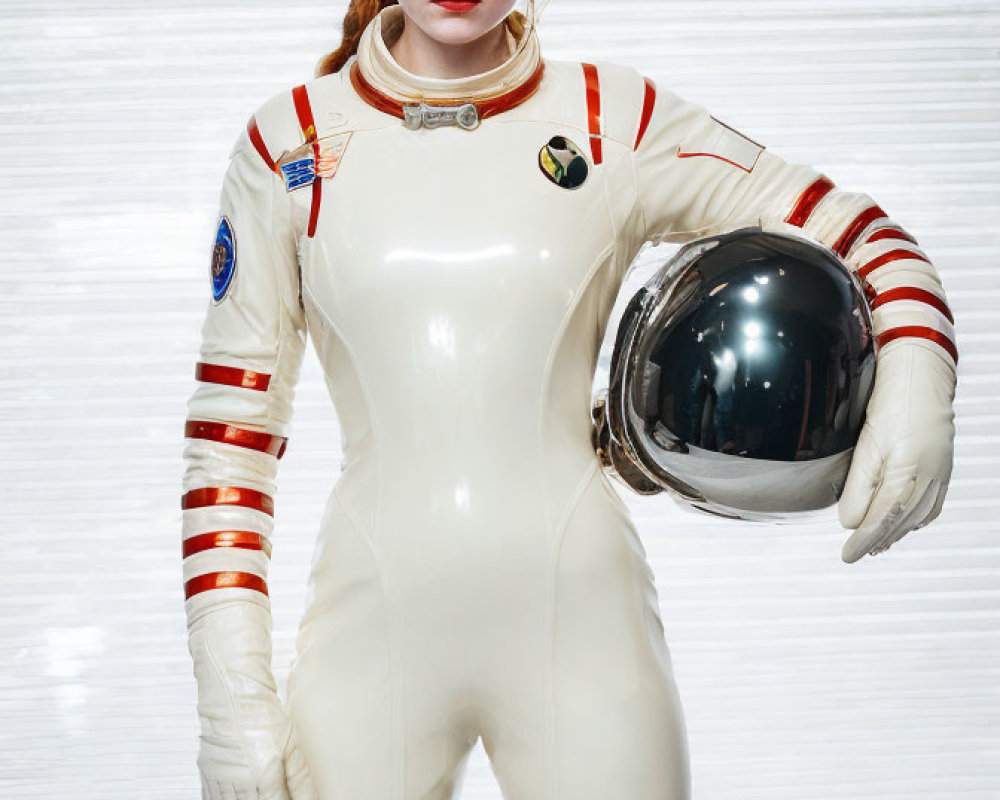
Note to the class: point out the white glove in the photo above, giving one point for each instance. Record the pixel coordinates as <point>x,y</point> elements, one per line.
<point>902,462</point>
<point>248,749</point>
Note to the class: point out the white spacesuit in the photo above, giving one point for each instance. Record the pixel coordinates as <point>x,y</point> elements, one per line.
<point>474,574</point>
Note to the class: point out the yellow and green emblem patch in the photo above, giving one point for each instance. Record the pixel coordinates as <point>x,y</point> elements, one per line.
<point>563,162</point>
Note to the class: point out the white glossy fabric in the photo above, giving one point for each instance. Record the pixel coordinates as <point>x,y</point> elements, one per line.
<point>475,574</point>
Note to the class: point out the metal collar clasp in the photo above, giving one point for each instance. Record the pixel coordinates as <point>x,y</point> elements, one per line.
<point>464,116</point>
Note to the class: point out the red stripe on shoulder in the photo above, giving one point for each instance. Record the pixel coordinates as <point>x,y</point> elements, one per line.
<point>300,96</point>
<point>593,110</point>
<point>647,109</point>
<point>258,143</point>
<point>304,111</point>
<point>317,196</point>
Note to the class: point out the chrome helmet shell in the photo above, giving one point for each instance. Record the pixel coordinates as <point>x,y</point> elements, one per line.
<point>740,377</point>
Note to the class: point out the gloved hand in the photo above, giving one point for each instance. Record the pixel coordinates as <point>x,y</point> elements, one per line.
<point>248,749</point>
<point>902,463</point>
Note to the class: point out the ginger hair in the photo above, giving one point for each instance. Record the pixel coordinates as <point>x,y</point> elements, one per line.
<point>361,12</point>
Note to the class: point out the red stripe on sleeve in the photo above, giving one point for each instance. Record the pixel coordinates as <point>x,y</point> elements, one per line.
<point>258,143</point>
<point>885,258</point>
<point>921,331</point>
<point>647,109</point>
<point>808,200</point>
<point>593,110</point>
<point>228,496</point>
<point>231,434</point>
<point>890,233</point>
<point>224,580</point>
<point>231,376</point>
<point>856,228</point>
<point>246,540</point>
<point>912,293</point>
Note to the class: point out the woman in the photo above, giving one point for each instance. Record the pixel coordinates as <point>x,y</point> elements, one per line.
<point>455,262</point>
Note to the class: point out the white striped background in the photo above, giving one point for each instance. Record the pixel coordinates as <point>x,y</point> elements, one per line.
<point>802,677</point>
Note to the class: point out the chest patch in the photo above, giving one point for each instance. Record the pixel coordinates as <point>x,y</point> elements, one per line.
<point>563,163</point>
<point>301,166</point>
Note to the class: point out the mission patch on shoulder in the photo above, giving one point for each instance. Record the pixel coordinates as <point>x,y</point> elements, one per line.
<point>223,259</point>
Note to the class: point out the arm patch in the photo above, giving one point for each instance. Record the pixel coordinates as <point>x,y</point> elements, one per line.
<point>724,143</point>
<point>223,259</point>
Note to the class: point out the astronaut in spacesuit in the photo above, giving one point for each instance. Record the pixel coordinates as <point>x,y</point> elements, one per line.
<point>454,246</point>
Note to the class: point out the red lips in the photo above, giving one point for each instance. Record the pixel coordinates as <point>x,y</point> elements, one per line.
<point>456,5</point>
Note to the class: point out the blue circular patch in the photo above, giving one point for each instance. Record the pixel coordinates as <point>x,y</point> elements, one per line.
<point>223,259</point>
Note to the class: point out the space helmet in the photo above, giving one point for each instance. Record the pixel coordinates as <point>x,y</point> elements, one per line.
<point>740,377</point>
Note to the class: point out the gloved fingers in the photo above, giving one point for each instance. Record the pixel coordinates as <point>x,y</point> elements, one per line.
<point>891,504</point>
<point>866,539</point>
<point>863,478</point>
<point>919,504</point>
<point>942,490</point>
<point>922,510</point>
<point>272,786</point>
<point>297,775</point>
<point>212,789</point>
<point>918,511</point>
